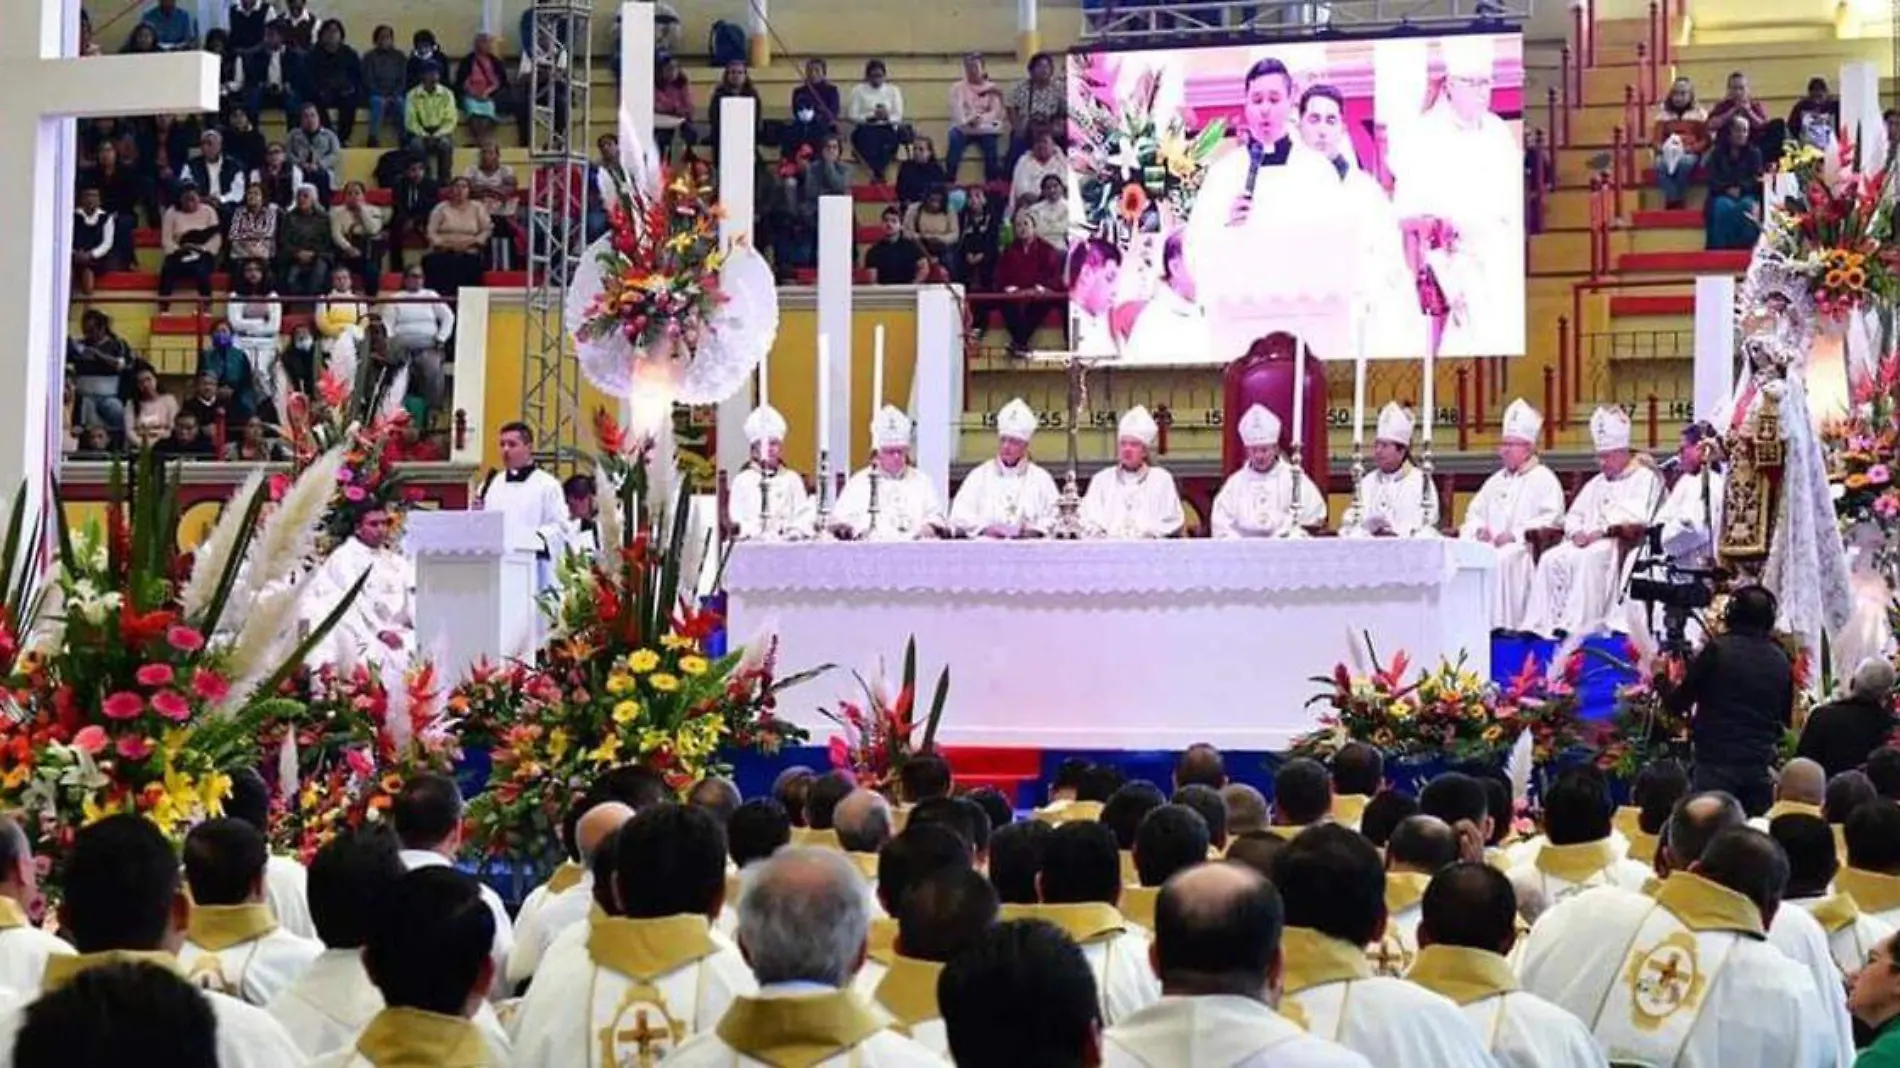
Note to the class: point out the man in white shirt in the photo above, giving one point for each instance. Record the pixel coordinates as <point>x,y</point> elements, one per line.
<point>767,499</point>
<point>379,628</point>
<point>1577,579</point>
<point>1133,499</point>
<point>1079,886</point>
<point>420,324</point>
<point>1172,326</point>
<point>557,912</point>
<point>427,815</point>
<point>802,926</point>
<point>1812,865</point>
<point>1217,951</point>
<point>1522,497</point>
<point>532,496</point>
<point>24,947</point>
<point>889,500</point>
<point>1392,494</point>
<point>1266,498</point>
<point>1581,851</point>
<point>1467,932</point>
<point>1043,160</point>
<point>232,942</point>
<point>1010,496</point>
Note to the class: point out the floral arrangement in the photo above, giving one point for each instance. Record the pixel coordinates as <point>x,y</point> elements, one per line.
<point>880,735</point>
<point>1642,729</point>
<point>660,271</point>
<point>367,476</point>
<point>1136,172</point>
<point>1837,228</point>
<point>489,699</point>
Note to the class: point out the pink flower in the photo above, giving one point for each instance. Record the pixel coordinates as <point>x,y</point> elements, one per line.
<point>359,763</point>
<point>154,675</point>
<point>278,486</point>
<point>1878,474</point>
<point>123,705</point>
<point>345,475</point>
<point>354,493</point>
<point>90,740</point>
<point>209,686</point>
<point>135,747</point>
<point>185,639</point>
<point>172,705</point>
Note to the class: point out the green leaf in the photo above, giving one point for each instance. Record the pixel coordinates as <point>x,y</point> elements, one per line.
<point>1209,139</point>
<point>936,709</point>
<point>14,552</point>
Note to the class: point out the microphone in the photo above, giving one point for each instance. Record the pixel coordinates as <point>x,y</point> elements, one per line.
<point>1256,155</point>
<point>1669,466</point>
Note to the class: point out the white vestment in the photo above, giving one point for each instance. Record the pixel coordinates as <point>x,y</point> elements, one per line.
<point>774,507</point>
<point>286,892</point>
<point>1514,503</point>
<point>24,950</point>
<point>1218,1031</point>
<point>592,1007</point>
<point>1020,498</point>
<point>544,916</point>
<point>1125,505</point>
<point>1575,586</point>
<point>1557,872</point>
<point>1170,329</point>
<point>386,604</point>
<point>1387,289</point>
<point>1394,502</point>
<point>1392,1023</point>
<point>1685,979</point>
<point>534,498</point>
<point>907,505</point>
<point>1521,1030</point>
<point>1259,504</point>
<point>504,930</point>
<point>333,1000</point>
<point>1692,509</point>
<point>879,1049</point>
<point>254,970</point>
<point>1851,933</point>
<point>1117,952</point>
<point>1801,938</point>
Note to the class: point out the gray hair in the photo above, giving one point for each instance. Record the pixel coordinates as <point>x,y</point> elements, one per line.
<point>1873,679</point>
<point>803,917</point>
<point>863,821</point>
<point>1246,808</point>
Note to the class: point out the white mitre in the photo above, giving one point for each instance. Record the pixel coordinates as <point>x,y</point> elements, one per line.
<point>1395,424</point>
<point>1138,425</point>
<point>1609,429</point>
<point>1522,423</point>
<point>1468,56</point>
<point>764,424</point>
<point>1016,420</point>
<point>890,428</point>
<point>1259,427</point>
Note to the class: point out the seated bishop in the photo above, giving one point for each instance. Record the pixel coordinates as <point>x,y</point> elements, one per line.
<point>1010,496</point>
<point>1392,494</point>
<point>1577,580</point>
<point>1266,498</point>
<point>1521,497</point>
<point>767,500</point>
<point>1133,499</point>
<point>380,626</point>
<point>890,500</point>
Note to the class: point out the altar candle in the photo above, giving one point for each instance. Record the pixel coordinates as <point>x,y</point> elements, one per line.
<point>765,382</point>
<point>1299,391</point>
<point>877,370</point>
<point>1359,392</point>
<point>1430,391</point>
<point>824,393</point>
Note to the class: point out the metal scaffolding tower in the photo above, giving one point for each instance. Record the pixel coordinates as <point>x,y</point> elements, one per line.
<point>560,101</point>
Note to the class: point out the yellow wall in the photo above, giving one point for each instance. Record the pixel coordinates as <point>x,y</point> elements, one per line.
<point>192,526</point>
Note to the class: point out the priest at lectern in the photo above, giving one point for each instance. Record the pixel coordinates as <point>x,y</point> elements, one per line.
<point>890,500</point>
<point>530,495</point>
<point>1261,499</point>
<point>1133,499</point>
<point>767,500</point>
<point>1011,496</point>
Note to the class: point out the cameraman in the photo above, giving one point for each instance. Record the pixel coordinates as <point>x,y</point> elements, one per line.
<point>1741,688</point>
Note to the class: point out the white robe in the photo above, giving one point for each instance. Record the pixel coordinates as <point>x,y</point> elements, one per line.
<point>1851,933</point>
<point>286,892</point>
<point>1259,504</point>
<point>1758,1009</point>
<point>882,1049</point>
<point>1218,1032</point>
<point>1514,503</point>
<point>1394,502</point>
<point>387,603</point>
<point>333,1000</point>
<point>24,951</point>
<point>1556,872</point>
<point>544,916</point>
<point>253,971</point>
<point>907,505</point>
<point>539,509</point>
<point>1017,498</point>
<point>1802,939</point>
<point>1123,505</point>
<point>1392,1023</point>
<point>1387,290</point>
<point>504,930</point>
<point>574,1001</point>
<point>1575,587</point>
<point>1520,1029</point>
<point>774,507</point>
<point>1117,953</point>
<point>1170,329</point>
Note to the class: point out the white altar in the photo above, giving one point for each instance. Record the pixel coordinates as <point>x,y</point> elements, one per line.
<point>1110,645</point>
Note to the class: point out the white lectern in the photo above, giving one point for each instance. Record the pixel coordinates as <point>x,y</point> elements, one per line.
<point>475,588</point>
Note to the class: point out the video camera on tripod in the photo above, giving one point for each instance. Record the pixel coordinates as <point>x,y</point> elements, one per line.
<point>1658,581</point>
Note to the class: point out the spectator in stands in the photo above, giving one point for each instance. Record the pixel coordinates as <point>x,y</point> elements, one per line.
<point>932,224</point>
<point>143,40</point>
<point>203,405</point>
<point>341,311</point>
<point>247,19</point>
<point>300,361</point>
<point>459,229</point>
<point>815,110</point>
<point>1733,216</point>
<point>1681,137</point>
<point>253,229</point>
<point>254,444</point>
<point>303,246</point>
<point>229,368</point>
<point>482,82</point>
<point>735,81</point>
<point>876,111</point>
<point>243,141</point>
<point>492,183</point>
<point>1036,103</point>
<point>191,238</point>
<point>1042,161</point>
<point>162,158</point>
<point>95,443</point>
<point>119,194</point>
<point>300,24</point>
<point>336,79</point>
<point>148,417</point>
<point>95,240</point>
<point>919,174</point>
<point>230,71</point>
<point>279,177</point>
<point>790,223</point>
<point>415,196</point>
<point>977,116</point>
<point>672,105</point>
<point>274,74</point>
<point>187,441</point>
<point>173,28</point>
<point>974,264</point>
<point>420,325</point>
<point>356,234</point>
<point>432,116</point>
<point>315,151</point>
<point>605,180</point>
<point>424,51</point>
<point>1029,266</point>
<point>95,360</point>
<point>219,178</point>
<point>1815,117</point>
<point>827,175</point>
<point>1766,135</point>
<point>896,259</point>
<point>256,316</point>
<point>385,83</point>
<point>1050,215</point>
<point>378,367</point>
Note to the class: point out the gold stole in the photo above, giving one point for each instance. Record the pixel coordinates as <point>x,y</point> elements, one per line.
<point>1138,904</point>
<point>12,915</point>
<point>908,991</point>
<point>215,928</point>
<point>1576,863</point>
<point>1835,913</point>
<point>1463,975</point>
<point>825,839</point>
<point>866,864</point>
<point>566,877</point>
<point>60,970</point>
<point>1074,810</point>
<point>798,1031</point>
<point>412,1038</point>
<point>1314,959</point>
<point>882,940</point>
<point>642,951</point>
<point>1350,809</point>
<point>1871,890</point>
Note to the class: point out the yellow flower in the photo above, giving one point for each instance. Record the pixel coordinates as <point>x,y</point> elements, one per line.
<point>626,712</point>
<point>664,682</point>
<point>676,642</point>
<point>606,751</point>
<point>693,665</point>
<point>557,743</point>
<point>15,777</point>
<point>619,685</point>
<point>1493,733</point>
<point>212,791</point>
<point>641,661</point>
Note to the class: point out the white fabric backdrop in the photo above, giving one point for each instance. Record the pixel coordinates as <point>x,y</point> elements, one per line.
<point>1110,645</point>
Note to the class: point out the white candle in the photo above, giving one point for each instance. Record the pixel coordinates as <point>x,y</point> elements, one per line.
<point>877,370</point>
<point>1359,392</point>
<point>1299,392</point>
<point>1431,384</point>
<point>824,394</point>
<point>765,382</point>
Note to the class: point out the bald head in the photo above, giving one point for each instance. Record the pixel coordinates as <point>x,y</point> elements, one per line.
<point>1217,931</point>
<point>863,821</point>
<point>1422,844</point>
<point>1246,809</point>
<point>715,795</point>
<point>599,822</point>
<point>1802,781</point>
<point>1696,821</point>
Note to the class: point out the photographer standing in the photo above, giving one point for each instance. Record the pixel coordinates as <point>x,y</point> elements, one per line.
<point>1741,688</point>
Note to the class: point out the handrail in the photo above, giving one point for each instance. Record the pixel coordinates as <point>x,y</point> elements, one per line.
<point>1571,96</point>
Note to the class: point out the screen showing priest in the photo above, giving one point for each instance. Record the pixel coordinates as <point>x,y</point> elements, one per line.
<point>1364,195</point>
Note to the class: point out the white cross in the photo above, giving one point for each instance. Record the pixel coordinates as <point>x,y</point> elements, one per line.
<point>46,86</point>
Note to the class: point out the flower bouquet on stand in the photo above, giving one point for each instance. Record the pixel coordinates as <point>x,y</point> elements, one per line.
<point>880,735</point>
<point>1836,227</point>
<point>1137,166</point>
<point>1643,730</point>
<point>367,474</point>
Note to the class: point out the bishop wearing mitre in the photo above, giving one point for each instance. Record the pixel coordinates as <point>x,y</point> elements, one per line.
<point>767,500</point>
<point>1521,497</point>
<point>1577,580</point>
<point>1259,500</point>
<point>889,500</point>
<point>1010,496</point>
<point>1133,499</point>
<point>1392,494</point>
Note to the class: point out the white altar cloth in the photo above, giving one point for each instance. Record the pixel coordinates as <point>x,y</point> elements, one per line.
<point>1110,645</point>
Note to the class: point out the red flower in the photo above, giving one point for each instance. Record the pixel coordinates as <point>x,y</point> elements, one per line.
<point>123,705</point>
<point>90,740</point>
<point>184,639</point>
<point>209,686</point>
<point>136,747</point>
<point>608,434</point>
<point>172,705</point>
<point>137,629</point>
<point>154,675</point>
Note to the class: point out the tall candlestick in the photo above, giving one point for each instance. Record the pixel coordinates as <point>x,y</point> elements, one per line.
<point>877,369</point>
<point>765,382</point>
<point>1430,391</point>
<point>824,393</point>
<point>1299,391</point>
<point>1359,395</point>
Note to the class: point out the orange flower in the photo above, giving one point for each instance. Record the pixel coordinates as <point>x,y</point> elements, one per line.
<point>1134,201</point>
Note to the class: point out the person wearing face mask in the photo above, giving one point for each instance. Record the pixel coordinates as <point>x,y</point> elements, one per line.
<point>889,500</point>
<point>1010,496</point>
<point>1133,500</point>
<point>767,500</point>
<point>815,111</point>
<point>230,367</point>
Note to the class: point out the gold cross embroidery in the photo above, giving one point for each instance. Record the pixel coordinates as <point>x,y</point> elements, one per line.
<point>644,1038</point>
